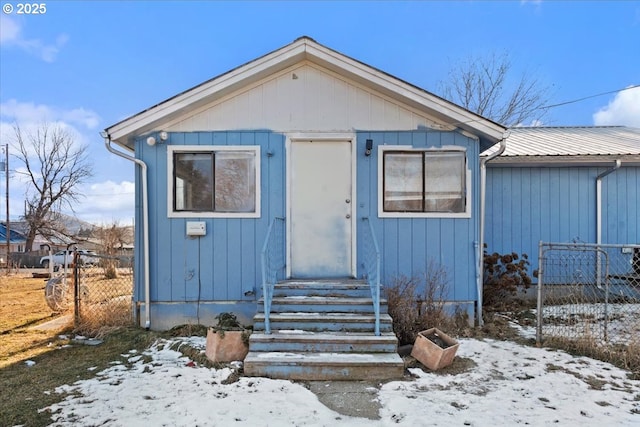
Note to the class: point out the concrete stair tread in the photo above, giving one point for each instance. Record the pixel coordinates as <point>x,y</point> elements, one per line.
<point>325,300</point>
<point>302,316</point>
<point>323,284</point>
<point>302,336</point>
<point>325,359</point>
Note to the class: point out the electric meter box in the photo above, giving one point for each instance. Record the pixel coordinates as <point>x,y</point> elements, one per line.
<point>196,228</point>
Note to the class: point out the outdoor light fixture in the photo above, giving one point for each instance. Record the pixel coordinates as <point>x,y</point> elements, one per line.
<point>151,141</point>
<point>367,151</point>
<point>164,136</point>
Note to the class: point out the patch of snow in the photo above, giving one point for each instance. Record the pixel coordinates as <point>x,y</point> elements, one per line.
<point>509,384</point>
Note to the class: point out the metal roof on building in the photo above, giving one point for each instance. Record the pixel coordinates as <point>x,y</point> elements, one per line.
<point>568,142</point>
<point>15,236</point>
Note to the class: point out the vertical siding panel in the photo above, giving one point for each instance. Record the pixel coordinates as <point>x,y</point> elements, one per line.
<point>249,240</point>
<point>535,207</point>
<point>513,228</point>
<point>234,259</point>
<point>161,250</point>
<point>205,258</point>
<point>633,205</point>
<point>526,213</point>
<point>404,236</point>
<point>497,214</point>
<point>391,249</point>
<point>189,257</point>
<point>261,224</point>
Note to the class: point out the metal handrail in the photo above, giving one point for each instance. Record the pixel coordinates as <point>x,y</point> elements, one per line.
<point>273,264</point>
<point>371,258</point>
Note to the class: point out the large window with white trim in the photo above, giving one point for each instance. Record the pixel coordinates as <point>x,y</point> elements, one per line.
<point>424,183</point>
<point>214,181</point>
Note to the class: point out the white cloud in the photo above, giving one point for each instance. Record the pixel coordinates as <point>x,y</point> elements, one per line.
<point>623,110</point>
<point>28,112</point>
<point>11,35</point>
<point>9,30</point>
<point>106,202</point>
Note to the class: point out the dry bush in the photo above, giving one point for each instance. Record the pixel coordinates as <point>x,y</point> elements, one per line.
<point>504,275</point>
<point>417,303</point>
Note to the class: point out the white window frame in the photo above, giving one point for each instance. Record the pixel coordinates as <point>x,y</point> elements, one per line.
<point>171,149</point>
<point>409,148</point>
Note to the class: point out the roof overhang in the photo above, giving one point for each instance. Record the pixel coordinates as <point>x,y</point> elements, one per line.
<point>304,48</point>
<point>562,161</point>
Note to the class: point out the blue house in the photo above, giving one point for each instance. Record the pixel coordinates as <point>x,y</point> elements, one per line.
<point>561,185</point>
<point>309,157</point>
<point>16,242</point>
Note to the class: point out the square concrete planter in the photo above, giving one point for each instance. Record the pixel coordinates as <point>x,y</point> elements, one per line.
<point>434,355</point>
<point>226,346</point>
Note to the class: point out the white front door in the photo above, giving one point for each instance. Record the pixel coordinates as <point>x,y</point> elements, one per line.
<point>321,209</point>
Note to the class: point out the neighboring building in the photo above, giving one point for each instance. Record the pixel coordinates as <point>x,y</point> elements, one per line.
<point>544,188</point>
<point>307,134</point>
<point>16,242</point>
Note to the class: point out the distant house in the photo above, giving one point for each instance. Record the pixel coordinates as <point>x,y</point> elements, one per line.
<point>16,242</point>
<point>329,144</point>
<point>544,187</point>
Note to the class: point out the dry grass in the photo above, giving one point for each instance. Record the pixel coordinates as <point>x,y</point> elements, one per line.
<point>625,356</point>
<point>22,307</point>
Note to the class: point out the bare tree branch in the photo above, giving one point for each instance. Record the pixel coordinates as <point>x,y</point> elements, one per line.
<point>55,165</point>
<point>486,86</point>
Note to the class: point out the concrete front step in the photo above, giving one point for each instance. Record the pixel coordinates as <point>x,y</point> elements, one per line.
<point>350,288</point>
<point>324,366</point>
<point>322,342</point>
<point>322,304</point>
<point>316,322</point>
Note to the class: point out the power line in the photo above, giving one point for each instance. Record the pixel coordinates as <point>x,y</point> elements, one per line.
<point>573,101</point>
<point>586,97</point>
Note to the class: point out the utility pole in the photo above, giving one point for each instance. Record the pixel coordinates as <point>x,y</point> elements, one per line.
<point>6,173</point>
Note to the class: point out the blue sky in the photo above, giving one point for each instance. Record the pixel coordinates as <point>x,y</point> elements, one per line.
<point>89,64</point>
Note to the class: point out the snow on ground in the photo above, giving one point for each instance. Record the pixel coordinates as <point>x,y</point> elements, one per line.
<point>507,384</point>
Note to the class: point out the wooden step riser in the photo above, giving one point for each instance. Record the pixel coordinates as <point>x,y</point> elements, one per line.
<point>320,326</point>
<point>325,372</point>
<point>324,347</point>
<point>322,308</point>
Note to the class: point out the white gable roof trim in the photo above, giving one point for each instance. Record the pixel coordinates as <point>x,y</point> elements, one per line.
<point>304,48</point>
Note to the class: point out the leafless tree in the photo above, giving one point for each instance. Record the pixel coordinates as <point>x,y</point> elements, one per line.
<point>487,86</point>
<point>112,238</point>
<point>55,166</point>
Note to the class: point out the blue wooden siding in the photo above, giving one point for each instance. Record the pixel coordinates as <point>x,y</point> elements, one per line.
<point>224,264</point>
<point>409,244</point>
<point>527,205</point>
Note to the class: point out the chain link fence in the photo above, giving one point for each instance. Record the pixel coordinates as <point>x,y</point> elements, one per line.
<point>589,292</point>
<point>98,289</point>
<point>104,290</point>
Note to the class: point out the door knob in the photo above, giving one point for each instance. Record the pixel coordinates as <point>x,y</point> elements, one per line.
<point>348,201</point>
<point>348,216</point>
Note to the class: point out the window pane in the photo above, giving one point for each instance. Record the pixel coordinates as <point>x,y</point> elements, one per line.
<point>193,181</point>
<point>444,181</point>
<point>235,179</point>
<point>403,182</point>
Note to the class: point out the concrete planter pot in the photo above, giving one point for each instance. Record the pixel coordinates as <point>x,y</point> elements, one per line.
<point>434,355</point>
<point>227,346</point>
